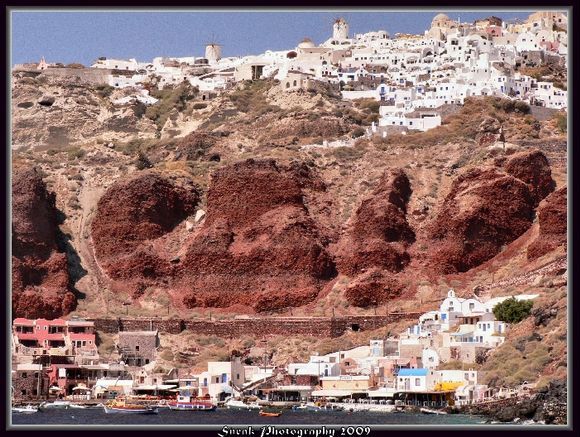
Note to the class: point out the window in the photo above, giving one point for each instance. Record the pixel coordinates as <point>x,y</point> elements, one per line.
<point>137,348</point>
<point>224,378</point>
<point>237,376</point>
<point>417,382</point>
<point>24,375</point>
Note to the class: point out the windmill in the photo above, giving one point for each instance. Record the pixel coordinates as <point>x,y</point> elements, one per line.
<point>340,29</point>
<point>213,50</point>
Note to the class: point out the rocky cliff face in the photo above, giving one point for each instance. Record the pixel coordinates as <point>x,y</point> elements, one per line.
<point>131,217</point>
<point>375,244</point>
<point>553,216</point>
<point>533,168</point>
<point>484,210</point>
<point>259,245</point>
<point>40,277</point>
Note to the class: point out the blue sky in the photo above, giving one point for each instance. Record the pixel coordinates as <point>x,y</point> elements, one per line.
<point>84,36</point>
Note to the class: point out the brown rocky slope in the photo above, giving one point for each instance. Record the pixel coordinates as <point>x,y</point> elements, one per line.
<point>40,276</point>
<point>552,214</point>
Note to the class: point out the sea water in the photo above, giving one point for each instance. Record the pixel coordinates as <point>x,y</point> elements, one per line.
<point>238,417</point>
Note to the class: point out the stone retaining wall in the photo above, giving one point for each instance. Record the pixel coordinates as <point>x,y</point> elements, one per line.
<point>257,326</point>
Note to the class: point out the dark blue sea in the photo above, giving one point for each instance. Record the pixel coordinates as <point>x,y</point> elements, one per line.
<point>237,417</point>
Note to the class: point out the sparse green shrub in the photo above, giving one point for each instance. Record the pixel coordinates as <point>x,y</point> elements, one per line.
<point>347,153</point>
<point>170,98</point>
<point>75,153</point>
<point>143,162</point>
<point>512,310</point>
<point>104,90</point>
<point>358,132</point>
<point>562,122</point>
<point>167,355</point>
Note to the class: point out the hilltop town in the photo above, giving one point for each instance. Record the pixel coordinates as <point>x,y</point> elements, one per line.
<point>332,223</point>
<point>412,76</point>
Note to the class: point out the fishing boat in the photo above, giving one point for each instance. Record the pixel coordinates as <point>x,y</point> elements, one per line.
<point>191,403</point>
<point>269,414</point>
<point>25,410</point>
<point>78,406</point>
<point>120,406</point>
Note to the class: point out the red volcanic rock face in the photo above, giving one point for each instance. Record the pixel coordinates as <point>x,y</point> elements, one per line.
<point>259,245</point>
<point>533,168</point>
<point>375,245</point>
<point>373,288</point>
<point>484,210</point>
<point>40,277</point>
<point>132,214</point>
<point>552,215</point>
<point>379,234</point>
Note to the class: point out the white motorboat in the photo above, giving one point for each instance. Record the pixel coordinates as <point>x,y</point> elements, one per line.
<point>234,404</point>
<point>25,410</point>
<point>55,404</point>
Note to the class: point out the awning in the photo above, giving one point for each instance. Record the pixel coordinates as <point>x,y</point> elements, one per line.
<point>336,393</point>
<point>382,393</point>
<point>154,387</point>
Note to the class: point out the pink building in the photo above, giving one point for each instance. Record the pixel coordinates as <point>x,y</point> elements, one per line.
<point>54,337</point>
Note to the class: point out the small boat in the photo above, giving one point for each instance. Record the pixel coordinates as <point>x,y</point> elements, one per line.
<point>124,407</point>
<point>78,406</point>
<point>269,414</point>
<point>234,404</point>
<point>191,403</point>
<point>55,404</point>
<point>430,411</point>
<point>25,410</point>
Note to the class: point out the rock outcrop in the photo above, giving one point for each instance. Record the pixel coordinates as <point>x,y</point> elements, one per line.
<point>130,216</point>
<point>532,167</point>
<point>372,288</point>
<point>379,233</point>
<point>378,238</point>
<point>552,217</point>
<point>484,210</point>
<point>259,245</point>
<point>40,276</point>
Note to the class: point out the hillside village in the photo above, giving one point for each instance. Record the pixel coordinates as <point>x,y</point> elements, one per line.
<point>60,358</point>
<point>410,75</point>
<point>367,209</point>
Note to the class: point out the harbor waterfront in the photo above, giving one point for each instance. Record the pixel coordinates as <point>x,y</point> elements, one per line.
<point>231,417</point>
